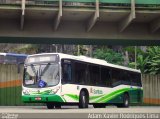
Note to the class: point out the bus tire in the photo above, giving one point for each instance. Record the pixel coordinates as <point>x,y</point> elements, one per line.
<point>57,106</point>
<point>50,105</point>
<point>83,100</point>
<point>125,103</point>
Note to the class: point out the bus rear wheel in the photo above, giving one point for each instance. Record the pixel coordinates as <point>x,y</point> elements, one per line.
<point>83,100</point>
<point>50,105</point>
<point>57,106</point>
<point>125,103</point>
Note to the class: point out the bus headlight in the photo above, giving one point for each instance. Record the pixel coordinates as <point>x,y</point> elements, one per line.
<point>55,90</point>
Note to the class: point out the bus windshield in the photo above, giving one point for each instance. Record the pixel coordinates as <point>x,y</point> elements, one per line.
<point>45,74</point>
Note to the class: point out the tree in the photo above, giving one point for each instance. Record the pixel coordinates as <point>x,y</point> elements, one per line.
<point>153,57</point>
<point>27,49</point>
<point>149,62</point>
<point>109,55</point>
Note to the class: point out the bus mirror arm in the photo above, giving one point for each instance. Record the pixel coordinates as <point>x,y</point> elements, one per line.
<point>19,64</point>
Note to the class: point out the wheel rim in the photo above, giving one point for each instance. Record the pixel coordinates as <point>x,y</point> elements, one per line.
<point>126,101</point>
<point>84,100</point>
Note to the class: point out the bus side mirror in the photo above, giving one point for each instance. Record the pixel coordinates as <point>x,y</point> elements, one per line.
<point>19,67</point>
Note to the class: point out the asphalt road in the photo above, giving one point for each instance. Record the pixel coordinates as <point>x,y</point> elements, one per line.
<point>75,109</point>
<point>70,112</point>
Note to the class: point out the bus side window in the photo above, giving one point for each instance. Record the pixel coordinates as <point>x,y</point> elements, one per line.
<point>139,80</point>
<point>136,79</point>
<point>116,77</point>
<point>125,77</point>
<point>105,77</point>
<point>80,73</point>
<point>67,74</point>
<point>94,74</point>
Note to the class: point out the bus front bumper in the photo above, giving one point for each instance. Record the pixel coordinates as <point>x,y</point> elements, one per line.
<point>41,98</point>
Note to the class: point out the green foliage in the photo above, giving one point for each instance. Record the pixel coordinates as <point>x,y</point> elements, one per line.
<point>27,49</point>
<point>149,62</point>
<point>153,60</point>
<point>81,50</point>
<point>131,53</point>
<point>109,55</point>
<point>141,63</point>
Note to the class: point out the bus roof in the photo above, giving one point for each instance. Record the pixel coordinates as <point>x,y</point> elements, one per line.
<point>13,54</point>
<point>89,60</point>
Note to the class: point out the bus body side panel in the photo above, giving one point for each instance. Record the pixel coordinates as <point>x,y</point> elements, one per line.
<point>100,94</point>
<point>136,94</point>
<point>70,93</point>
<point>115,94</point>
<point>96,94</point>
<point>109,95</point>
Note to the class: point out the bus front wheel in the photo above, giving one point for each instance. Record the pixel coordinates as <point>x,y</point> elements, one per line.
<point>83,100</point>
<point>50,105</point>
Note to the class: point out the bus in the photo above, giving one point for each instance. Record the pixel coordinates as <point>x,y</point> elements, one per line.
<point>58,79</point>
<point>12,58</point>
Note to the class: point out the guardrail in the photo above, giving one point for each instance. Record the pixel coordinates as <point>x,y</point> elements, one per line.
<point>83,3</point>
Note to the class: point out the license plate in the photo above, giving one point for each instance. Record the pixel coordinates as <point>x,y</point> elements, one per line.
<point>38,98</point>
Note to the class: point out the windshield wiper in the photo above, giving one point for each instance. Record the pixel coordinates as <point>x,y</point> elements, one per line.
<point>33,69</point>
<point>45,69</point>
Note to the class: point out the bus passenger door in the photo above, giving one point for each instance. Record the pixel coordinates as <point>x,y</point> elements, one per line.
<point>66,72</point>
<point>67,82</point>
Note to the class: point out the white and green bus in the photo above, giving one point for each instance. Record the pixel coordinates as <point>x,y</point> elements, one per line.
<point>60,79</point>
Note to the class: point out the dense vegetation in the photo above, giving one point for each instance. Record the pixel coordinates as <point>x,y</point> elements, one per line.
<point>147,57</point>
<point>147,61</point>
<point>109,55</point>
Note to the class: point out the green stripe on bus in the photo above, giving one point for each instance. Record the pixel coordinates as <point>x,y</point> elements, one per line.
<point>73,96</point>
<point>76,97</point>
<point>98,99</point>
<point>46,92</point>
<point>114,94</point>
<point>95,97</point>
<point>110,96</point>
<point>104,98</point>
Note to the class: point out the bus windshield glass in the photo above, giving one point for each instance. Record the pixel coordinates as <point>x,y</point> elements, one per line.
<point>41,75</point>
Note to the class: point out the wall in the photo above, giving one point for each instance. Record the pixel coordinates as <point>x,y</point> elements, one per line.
<point>151,86</point>
<point>10,85</point>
